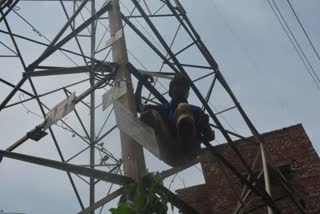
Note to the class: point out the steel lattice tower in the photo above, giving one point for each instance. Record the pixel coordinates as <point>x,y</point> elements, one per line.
<point>73,68</point>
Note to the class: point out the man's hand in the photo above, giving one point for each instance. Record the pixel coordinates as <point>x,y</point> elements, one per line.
<point>144,78</point>
<point>209,135</point>
<point>205,128</point>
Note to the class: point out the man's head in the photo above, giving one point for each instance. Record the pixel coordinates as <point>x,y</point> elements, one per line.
<point>179,87</point>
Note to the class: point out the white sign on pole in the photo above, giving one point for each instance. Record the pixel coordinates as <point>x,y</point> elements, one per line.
<point>60,110</point>
<point>136,129</point>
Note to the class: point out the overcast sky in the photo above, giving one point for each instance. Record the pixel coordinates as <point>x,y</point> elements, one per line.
<point>253,53</point>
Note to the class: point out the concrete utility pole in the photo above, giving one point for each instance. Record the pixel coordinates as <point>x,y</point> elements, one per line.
<point>132,153</point>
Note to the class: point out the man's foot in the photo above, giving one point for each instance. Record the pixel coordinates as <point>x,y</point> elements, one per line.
<point>186,129</point>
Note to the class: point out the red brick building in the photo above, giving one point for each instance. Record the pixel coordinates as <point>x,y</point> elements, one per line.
<point>292,152</point>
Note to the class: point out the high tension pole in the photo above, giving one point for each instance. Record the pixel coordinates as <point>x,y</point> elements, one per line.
<point>132,153</point>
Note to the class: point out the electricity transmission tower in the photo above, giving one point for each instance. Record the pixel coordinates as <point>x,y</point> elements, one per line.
<point>73,66</point>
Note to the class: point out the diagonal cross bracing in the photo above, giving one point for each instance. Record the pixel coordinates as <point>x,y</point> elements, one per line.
<point>51,50</point>
<point>259,191</point>
<point>92,173</point>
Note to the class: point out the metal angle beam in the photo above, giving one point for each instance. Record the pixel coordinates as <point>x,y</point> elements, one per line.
<point>231,133</point>
<point>70,70</point>
<point>66,25</point>
<point>159,53</point>
<point>78,153</point>
<point>259,191</point>
<point>53,0</point>
<point>8,11</point>
<point>22,81</point>
<point>287,187</point>
<point>69,93</point>
<point>78,117</point>
<point>71,25</point>
<point>196,38</point>
<point>62,71</point>
<point>246,194</point>
<point>174,170</point>
<point>7,47</point>
<point>92,173</point>
<point>192,32</point>
<point>150,16</point>
<point>92,107</point>
<point>201,46</point>
<point>154,91</point>
<point>183,49</point>
<point>44,44</point>
<point>42,110</point>
<point>47,123</point>
<point>243,180</point>
<point>163,75</point>
<point>210,90</point>
<point>225,110</point>
<point>45,94</point>
<point>63,41</point>
<point>105,134</point>
<point>175,200</point>
<point>11,85</point>
<point>12,93</point>
<point>174,68</point>
<point>8,56</point>
<point>59,152</point>
<point>196,66</point>
<point>202,77</point>
<point>220,127</point>
<point>103,201</point>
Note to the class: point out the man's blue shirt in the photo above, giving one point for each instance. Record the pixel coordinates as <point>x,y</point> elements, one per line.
<point>167,113</point>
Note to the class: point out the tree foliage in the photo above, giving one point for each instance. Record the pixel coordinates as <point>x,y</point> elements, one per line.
<point>146,201</point>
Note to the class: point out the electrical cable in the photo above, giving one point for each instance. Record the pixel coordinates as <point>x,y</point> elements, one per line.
<point>304,31</point>
<point>294,42</point>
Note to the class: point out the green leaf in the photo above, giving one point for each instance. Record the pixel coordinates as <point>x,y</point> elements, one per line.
<point>140,202</point>
<point>123,208</point>
<point>104,159</point>
<point>131,187</point>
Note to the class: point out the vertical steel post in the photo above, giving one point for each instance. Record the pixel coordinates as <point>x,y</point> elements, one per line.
<point>265,174</point>
<point>92,107</point>
<point>132,153</point>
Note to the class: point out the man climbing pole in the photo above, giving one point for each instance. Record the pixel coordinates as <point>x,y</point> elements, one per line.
<point>180,127</point>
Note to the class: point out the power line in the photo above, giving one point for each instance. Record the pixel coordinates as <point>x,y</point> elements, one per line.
<point>42,35</point>
<point>304,31</point>
<point>295,43</point>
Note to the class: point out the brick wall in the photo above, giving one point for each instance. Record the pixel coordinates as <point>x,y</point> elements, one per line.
<point>289,147</point>
<point>197,197</point>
